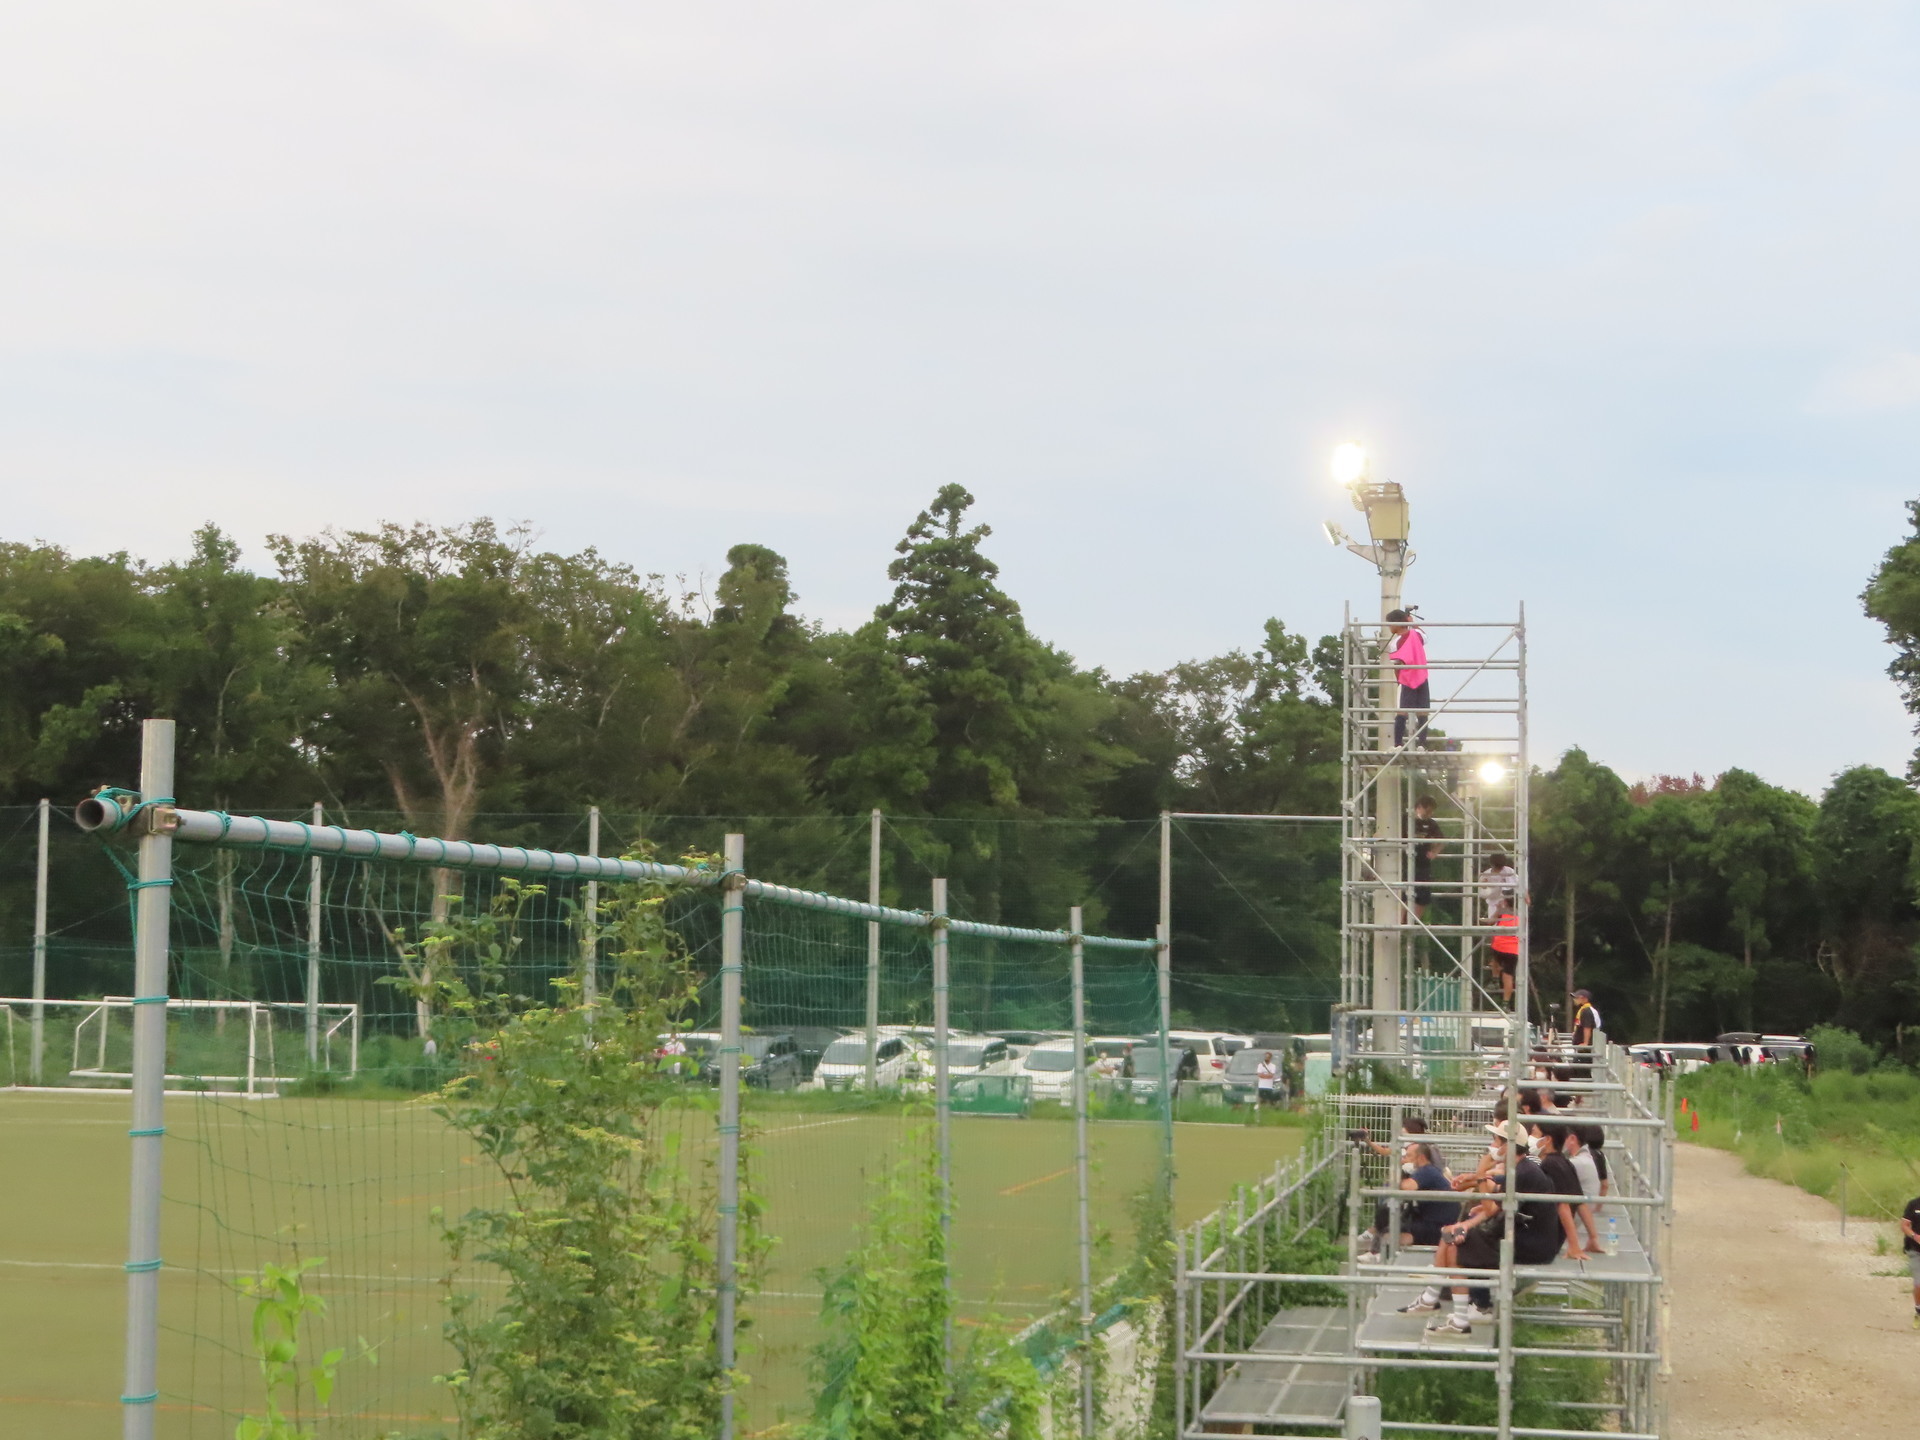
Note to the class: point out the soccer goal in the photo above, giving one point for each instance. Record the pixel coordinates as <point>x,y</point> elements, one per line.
<point>245,1047</point>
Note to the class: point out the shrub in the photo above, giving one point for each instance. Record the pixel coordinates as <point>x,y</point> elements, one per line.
<point>1838,1050</point>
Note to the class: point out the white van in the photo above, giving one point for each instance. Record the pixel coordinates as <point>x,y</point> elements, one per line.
<point>1049,1069</point>
<point>843,1065</point>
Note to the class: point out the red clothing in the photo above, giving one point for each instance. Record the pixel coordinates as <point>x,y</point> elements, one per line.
<point>1410,654</point>
<point>1509,943</point>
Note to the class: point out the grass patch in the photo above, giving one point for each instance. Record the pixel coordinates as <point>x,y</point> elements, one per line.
<point>1803,1131</point>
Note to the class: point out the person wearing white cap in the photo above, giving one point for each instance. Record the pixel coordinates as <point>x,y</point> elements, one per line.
<point>1474,1242</point>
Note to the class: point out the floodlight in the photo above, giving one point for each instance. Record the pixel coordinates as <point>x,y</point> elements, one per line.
<point>1349,463</point>
<point>1335,535</point>
<point>1493,772</point>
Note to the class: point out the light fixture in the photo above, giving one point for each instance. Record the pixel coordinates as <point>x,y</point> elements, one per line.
<point>1335,535</point>
<point>1349,463</point>
<point>1493,772</point>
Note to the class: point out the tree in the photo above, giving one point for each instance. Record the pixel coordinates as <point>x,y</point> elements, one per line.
<point>1865,843</point>
<point>1579,822</point>
<point>1759,847</point>
<point>1669,834</point>
<point>1892,597</point>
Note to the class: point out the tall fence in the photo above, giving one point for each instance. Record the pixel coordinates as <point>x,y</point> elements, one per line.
<point>828,1037</point>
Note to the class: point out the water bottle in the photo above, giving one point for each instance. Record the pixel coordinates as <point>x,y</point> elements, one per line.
<point>1613,1234</point>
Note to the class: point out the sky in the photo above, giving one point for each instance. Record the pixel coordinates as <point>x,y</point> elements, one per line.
<point>1623,295</point>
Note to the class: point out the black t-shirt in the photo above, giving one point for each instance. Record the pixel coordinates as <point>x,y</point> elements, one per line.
<point>1913,1219</point>
<point>1538,1236</point>
<point>1599,1162</point>
<point>1559,1169</point>
<point>1425,827</point>
<point>1586,1020</point>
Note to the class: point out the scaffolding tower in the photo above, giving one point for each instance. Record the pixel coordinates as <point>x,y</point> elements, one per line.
<point>1268,1344</point>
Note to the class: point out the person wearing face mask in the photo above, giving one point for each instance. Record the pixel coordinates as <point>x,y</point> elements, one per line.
<point>1420,1221</point>
<point>1473,1243</point>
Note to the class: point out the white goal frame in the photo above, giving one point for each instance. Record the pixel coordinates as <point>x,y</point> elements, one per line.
<point>262,1078</point>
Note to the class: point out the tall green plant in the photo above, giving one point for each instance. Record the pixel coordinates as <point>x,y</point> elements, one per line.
<point>281,1305</point>
<point>882,1368</point>
<point>605,1241</point>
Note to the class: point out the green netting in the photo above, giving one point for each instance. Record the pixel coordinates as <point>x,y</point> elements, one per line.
<point>349,1163</point>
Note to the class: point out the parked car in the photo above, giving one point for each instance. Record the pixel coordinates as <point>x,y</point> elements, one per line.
<point>1241,1084</point>
<point>1049,1068</point>
<point>767,1062</point>
<point>968,1057</point>
<point>813,1041</point>
<point>1680,1056</point>
<point>1145,1085</point>
<point>843,1065</point>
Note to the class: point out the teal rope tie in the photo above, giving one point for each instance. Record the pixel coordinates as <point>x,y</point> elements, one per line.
<point>226,822</point>
<point>150,999</point>
<point>140,1399</point>
<point>148,884</point>
<point>143,1267</point>
<point>148,1134</point>
<point>728,1129</point>
<point>306,845</point>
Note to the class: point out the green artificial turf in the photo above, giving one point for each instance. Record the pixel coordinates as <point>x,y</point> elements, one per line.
<point>358,1181</point>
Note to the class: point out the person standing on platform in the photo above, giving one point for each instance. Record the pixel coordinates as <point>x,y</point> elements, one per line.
<point>1409,656</point>
<point>1426,835</point>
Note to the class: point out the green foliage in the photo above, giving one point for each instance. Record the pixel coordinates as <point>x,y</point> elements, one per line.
<point>1434,1397</point>
<point>606,1330</point>
<point>282,1304</point>
<point>882,1367</point>
<point>1841,1051</point>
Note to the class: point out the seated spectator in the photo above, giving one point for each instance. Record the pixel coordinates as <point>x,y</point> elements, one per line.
<point>1473,1243</point>
<point>1420,1221</point>
<point>1551,1144</point>
<point>1593,1143</point>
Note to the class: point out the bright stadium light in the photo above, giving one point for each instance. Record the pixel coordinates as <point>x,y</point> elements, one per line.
<point>1493,772</point>
<point>1335,535</point>
<point>1349,463</point>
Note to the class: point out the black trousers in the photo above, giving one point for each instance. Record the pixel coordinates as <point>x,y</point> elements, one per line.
<point>1412,698</point>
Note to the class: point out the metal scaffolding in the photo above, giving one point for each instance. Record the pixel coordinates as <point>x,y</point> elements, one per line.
<point>1266,1342</point>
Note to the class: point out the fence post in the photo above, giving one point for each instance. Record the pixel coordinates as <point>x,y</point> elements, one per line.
<point>873,955</point>
<point>942,1096</point>
<point>590,938</point>
<point>152,909</point>
<point>732,960</point>
<point>39,1047</point>
<point>313,958</point>
<point>1843,1202</point>
<point>1082,1082</point>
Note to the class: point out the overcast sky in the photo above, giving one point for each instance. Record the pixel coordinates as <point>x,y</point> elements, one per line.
<point>1624,295</point>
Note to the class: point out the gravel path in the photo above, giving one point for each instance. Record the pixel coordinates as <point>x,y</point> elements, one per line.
<point>1781,1329</point>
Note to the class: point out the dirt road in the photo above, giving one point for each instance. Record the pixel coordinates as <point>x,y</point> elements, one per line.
<point>1781,1329</point>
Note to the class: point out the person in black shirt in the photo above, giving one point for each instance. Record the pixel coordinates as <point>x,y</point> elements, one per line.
<point>1910,1228</point>
<point>1426,831</point>
<point>1473,1243</point>
<point>1550,1143</point>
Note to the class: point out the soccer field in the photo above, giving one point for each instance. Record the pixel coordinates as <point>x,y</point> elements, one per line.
<point>358,1182</point>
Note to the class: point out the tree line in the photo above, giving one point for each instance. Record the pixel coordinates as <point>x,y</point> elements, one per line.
<point>442,673</point>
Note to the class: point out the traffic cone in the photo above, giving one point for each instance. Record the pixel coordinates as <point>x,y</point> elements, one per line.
<point>1683,1104</point>
<point>1696,1120</point>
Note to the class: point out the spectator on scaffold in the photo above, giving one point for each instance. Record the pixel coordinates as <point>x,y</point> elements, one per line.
<point>1409,656</point>
<point>1426,835</point>
<point>1910,1228</point>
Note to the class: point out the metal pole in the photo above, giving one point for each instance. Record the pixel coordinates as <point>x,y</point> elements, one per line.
<point>313,954</point>
<point>873,954</point>
<point>1390,829</point>
<point>152,908</point>
<point>732,962</point>
<point>590,941</point>
<point>40,950</point>
<point>1082,1180</point>
<point>1522,1047</point>
<point>1163,934</point>
<point>942,1095</point>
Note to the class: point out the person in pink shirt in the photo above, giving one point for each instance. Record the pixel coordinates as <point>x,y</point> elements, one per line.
<point>1409,656</point>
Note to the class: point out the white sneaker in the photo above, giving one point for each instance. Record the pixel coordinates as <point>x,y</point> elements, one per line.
<point>1453,1325</point>
<point>1421,1306</point>
<point>1479,1316</point>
